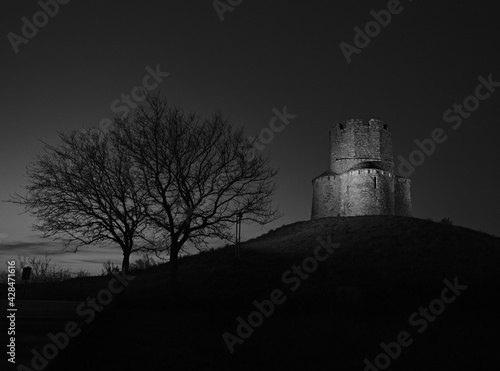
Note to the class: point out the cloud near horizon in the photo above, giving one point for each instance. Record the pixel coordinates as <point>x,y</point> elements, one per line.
<point>89,258</point>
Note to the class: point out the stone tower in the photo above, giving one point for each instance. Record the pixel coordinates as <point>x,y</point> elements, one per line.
<point>361,178</point>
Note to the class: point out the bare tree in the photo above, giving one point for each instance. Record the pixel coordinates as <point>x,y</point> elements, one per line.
<point>198,175</point>
<point>85,191</point>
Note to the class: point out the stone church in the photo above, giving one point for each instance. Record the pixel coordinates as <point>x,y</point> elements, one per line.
<point>361,178</point>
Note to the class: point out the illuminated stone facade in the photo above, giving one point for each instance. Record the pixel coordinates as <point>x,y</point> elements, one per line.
<point>361,178</point>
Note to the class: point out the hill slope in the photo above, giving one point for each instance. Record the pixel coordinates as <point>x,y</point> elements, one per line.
<point>333,315</point>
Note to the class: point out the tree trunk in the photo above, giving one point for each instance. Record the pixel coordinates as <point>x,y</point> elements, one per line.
<point>174,259</point>
<point>126,262</point>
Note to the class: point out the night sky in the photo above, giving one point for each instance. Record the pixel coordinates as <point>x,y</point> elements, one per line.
<point>262,57</point>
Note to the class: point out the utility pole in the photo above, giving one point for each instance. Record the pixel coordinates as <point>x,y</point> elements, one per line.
<point>238,236</point>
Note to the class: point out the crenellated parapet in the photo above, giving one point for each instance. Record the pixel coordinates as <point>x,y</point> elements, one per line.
<point>354,124</point>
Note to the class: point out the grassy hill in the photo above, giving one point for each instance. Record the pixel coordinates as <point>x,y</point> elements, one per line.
<point>385,269</point>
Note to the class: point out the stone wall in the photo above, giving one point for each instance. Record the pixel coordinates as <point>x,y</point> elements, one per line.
<point>326,196</point>
<point>402,196</point>
<point>366,192</point>
<point>356,141</point>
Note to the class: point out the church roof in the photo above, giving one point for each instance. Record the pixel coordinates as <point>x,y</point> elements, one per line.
<point>326,173</point>
<point>367,165</point>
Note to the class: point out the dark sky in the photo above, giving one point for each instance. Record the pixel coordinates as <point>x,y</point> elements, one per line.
<point>264,55</point>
